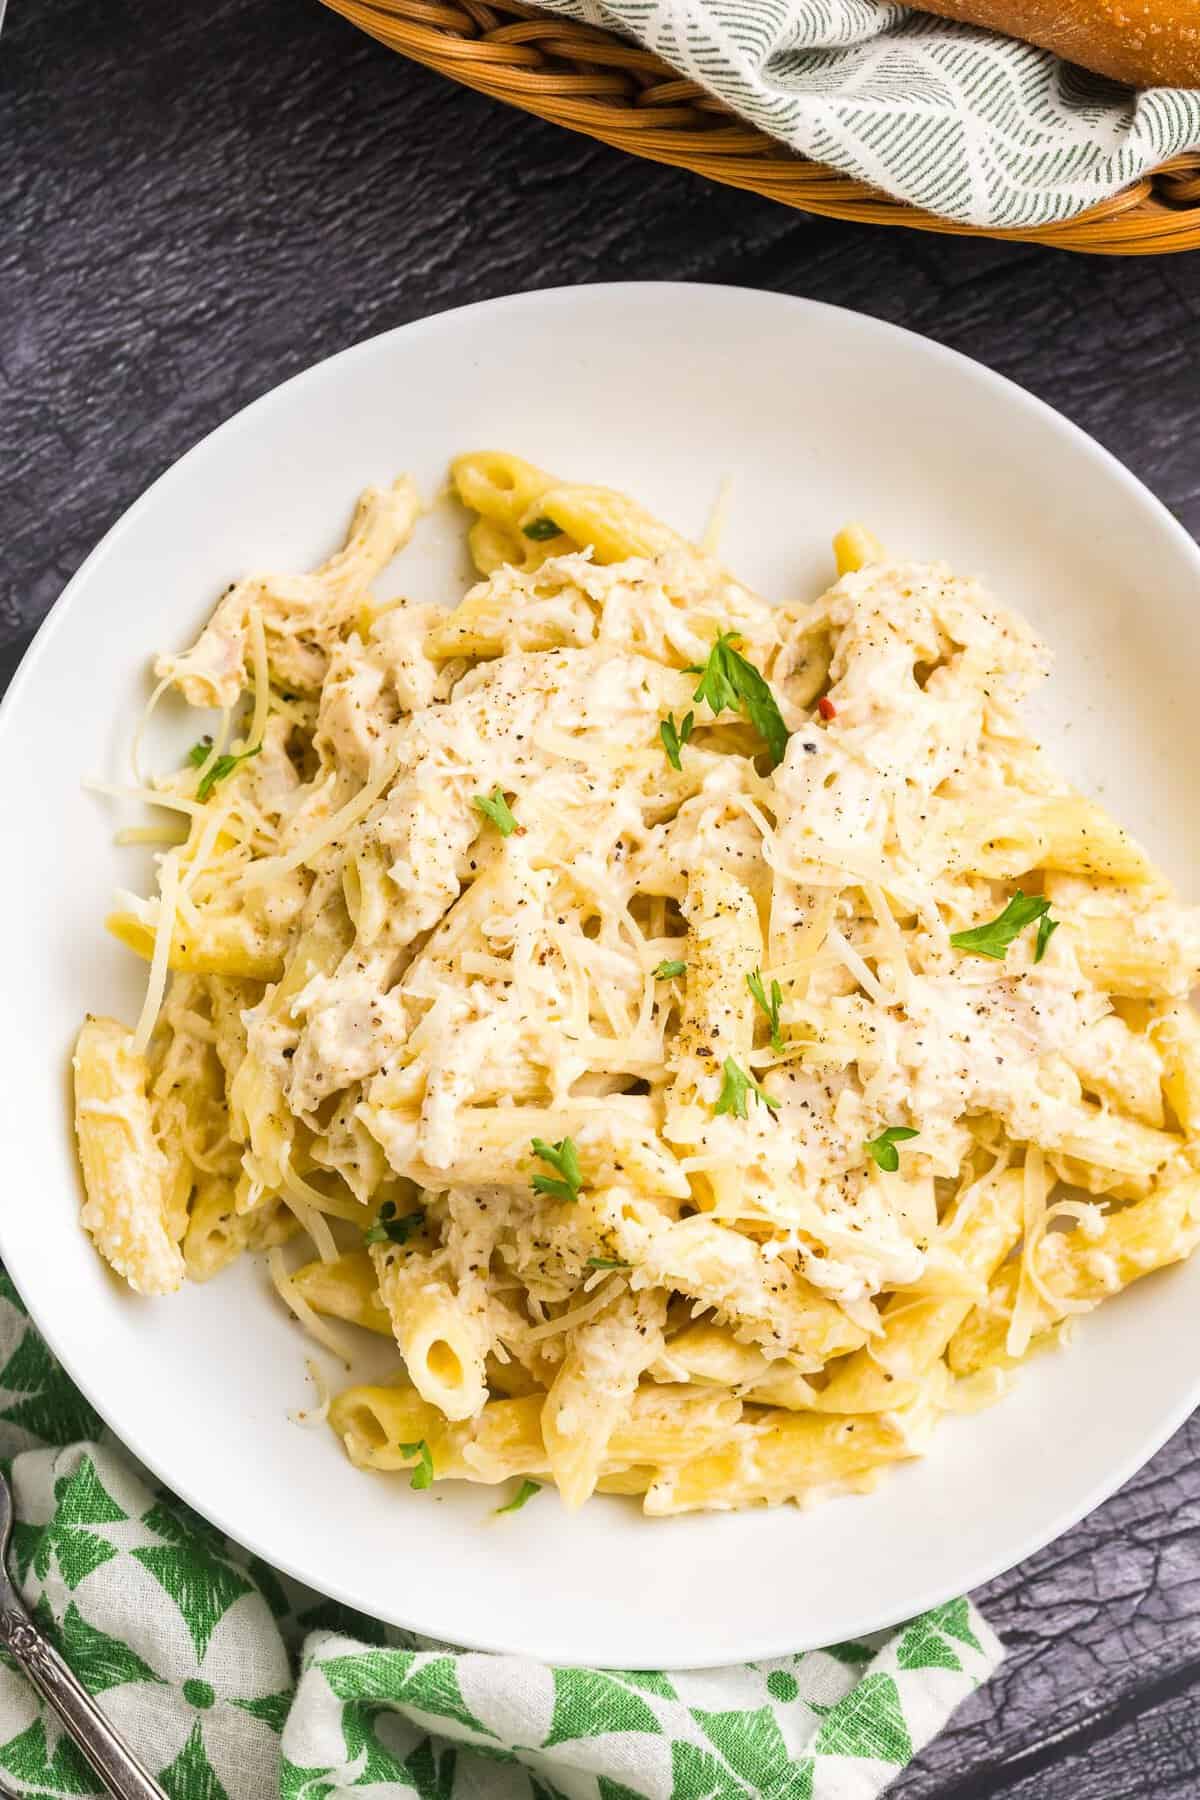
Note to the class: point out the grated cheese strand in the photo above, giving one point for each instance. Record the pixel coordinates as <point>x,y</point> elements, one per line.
<point>1024,1313</point>
<point>314,1222</point>
<point>863,975</point>
<point>156,983</point>
<point>262,677</point>
<point>718,518</point>
<point>577,1315</point>
<point>311,1416</point>
<point>135,748</point>
<point>321,1330</point>
<point>271,868</point>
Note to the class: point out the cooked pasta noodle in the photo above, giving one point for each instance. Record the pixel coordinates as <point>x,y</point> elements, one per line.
<point>648,1007</point>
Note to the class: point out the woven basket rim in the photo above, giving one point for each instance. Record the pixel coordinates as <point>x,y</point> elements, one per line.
<point>596,83</point>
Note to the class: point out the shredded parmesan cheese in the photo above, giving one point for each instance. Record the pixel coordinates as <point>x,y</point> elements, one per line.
<point>148,796</point>
<point>575,1316</point>
<point>271,868</point>
<point>338,1343</point>
<point>863,975</point>
<point>135,748</point>
<point>156,985</point>
<point>1020,1328</point>
<point>314,1222</point>
<point>262,677</point>
<point>718,518</point>
<point>893,939</point>
<point>311,1416</point>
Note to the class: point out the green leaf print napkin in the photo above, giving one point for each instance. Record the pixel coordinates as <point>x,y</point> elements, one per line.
<point>966,123</point>
<point>234,1683</point>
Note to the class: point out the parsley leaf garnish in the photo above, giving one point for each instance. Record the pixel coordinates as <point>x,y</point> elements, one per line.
<point>882,1149</point>
<point>674,736</point>
<point>422,1475</point>
<point>1045,931</point>
<point>768,1006</point>
<point>224,765</point>
<point>525,1492</point>
<point>994,938</point>
<point>607,1262</point>
<point>565,1158</point>
<point>734,1089</point>
<point>495,807</point>
<point>727,680</point>
<point>667,971</point>
<point>541,529</point>
<point>388,1229</point>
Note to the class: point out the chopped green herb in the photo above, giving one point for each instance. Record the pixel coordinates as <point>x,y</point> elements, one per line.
<point>735,1088</point>
<point>769,1007</point>
<point>667,971</point>
<point>199,754</point>
<point>994,938</point>
<point>563,1157</point>
<point>727,680</point>
<point>388,1229</point>
<point>607,1262</point>
<point>541,529</point>
<point>422,1475</point>
<point>674,736</point>
<point>495,807</point>
<point>1045,931</point>
<point>882,1149</point>
<point>525,1492</point>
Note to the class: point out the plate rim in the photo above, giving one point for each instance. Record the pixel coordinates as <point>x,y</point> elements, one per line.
<point>765,1645</point>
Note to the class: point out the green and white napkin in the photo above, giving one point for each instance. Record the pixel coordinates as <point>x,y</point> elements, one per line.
<point>965,123</point>
<point>234,1683</point>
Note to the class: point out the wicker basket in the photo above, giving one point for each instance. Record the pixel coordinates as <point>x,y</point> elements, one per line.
<point>596,83</point>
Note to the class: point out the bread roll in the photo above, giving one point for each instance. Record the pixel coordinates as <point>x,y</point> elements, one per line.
<point>1148,43</point>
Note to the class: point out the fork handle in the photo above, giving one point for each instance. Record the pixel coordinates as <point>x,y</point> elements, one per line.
<point>107,1752</point>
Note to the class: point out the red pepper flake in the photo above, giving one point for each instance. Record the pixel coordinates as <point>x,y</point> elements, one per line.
<point>826,708</point>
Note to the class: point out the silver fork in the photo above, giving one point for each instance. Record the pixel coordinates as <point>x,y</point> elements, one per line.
<point>108,1753</point>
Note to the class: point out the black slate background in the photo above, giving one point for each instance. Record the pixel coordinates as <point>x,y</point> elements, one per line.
<point>197,200</point>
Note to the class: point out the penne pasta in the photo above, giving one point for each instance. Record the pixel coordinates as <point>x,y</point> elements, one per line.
<point>1076,1271</point>
<point>701,1042</point>
<point>125,1173</point>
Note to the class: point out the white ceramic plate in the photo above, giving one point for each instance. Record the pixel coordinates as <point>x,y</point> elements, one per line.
<point>818,416</point>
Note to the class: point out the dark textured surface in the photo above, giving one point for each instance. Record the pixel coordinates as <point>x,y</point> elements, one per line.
<point>199,200</point>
